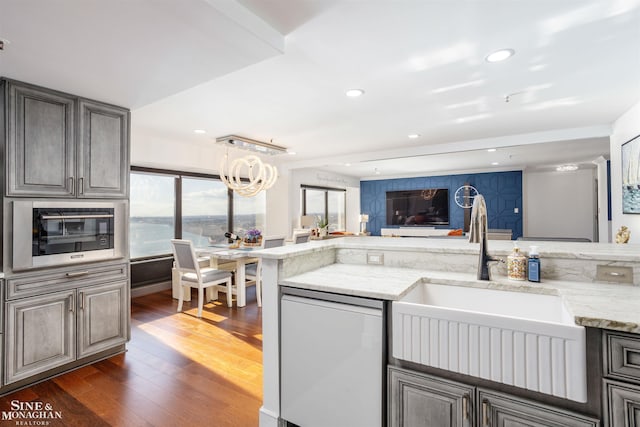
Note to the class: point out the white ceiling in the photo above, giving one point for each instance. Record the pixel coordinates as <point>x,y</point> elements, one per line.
<point>277,70</point>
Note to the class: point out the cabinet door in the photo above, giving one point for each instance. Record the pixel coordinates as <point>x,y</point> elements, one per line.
<point>103,317</point>
<point>501,410</point>
<point>40,334</point>
<point>622,404</point>
<point>419,400</point>
<point>40,145</point>
<point>103,150</point>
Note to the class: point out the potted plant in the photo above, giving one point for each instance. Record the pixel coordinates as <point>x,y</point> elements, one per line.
<point>323,227</point>
<point>253,237</point>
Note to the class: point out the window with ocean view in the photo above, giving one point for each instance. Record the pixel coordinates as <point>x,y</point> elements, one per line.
<point>152,207</point>
<point>203,203</point>
<point>204,211</point>
<point>249,212</point>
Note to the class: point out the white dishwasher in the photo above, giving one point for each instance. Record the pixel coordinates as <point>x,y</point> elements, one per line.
<point>331,360</point>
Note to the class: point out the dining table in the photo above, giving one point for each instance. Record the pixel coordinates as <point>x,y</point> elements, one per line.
<point>241,256</point>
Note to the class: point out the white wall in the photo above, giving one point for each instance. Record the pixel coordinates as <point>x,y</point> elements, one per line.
<point>625,128</point>
<point>553,207</point>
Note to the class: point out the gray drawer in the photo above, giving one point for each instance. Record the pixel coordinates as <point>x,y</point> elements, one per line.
<point>622,356</point>
<point>69,278</point>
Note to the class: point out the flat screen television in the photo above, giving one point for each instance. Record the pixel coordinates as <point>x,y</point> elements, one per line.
<point>418,207</point>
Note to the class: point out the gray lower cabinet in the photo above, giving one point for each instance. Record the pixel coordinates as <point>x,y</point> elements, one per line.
<point>502,410</point>
<point>59,145</point>
<point>102,317</point>
<point>420,400</point>
<point>47,331</point>
<point>39,334</point>
<point>623,403</point>
<point>621,390</point>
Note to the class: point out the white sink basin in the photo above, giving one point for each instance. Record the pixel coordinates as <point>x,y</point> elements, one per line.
<point>517,338</point>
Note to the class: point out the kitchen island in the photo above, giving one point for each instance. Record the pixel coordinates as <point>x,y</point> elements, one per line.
<point>387,269</point>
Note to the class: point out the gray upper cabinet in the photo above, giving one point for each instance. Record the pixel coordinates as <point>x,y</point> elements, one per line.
<point>103,150</point>
<point>59,145</point>
<point>41,147</point>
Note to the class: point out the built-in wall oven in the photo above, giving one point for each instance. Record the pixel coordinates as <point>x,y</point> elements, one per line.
<point>50,233</point>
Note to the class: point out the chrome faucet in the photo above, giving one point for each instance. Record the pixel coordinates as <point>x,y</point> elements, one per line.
<point>478,234</point>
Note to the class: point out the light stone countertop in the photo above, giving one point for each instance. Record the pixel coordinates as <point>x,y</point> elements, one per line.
<point>600,305</point>
<point>567,250</point>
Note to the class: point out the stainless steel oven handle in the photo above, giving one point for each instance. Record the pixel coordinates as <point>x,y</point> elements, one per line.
<point>75,216</point>
<point>77,274</point>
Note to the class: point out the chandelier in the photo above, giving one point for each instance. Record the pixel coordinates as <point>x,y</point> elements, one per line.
<point>429,194</point>
<point>248,175</point>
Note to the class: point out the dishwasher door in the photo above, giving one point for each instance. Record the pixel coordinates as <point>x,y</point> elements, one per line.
<point>331,363</point>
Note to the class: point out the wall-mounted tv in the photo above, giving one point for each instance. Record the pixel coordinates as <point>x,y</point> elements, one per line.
<point>418,207</point>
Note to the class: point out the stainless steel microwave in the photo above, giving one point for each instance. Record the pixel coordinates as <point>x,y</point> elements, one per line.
<point>50,233</point>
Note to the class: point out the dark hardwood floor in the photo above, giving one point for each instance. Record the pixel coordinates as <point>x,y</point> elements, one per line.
<point>178,371</point>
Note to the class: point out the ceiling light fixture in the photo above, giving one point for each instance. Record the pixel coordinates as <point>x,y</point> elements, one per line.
<point>199,131</point>
<point>567,168</point>
<point>500,55</point>
<point>494,163</point>
<point>260,175</point>
<point>347,164</point>
<point>491,150</point>
<point>354,93</point>
<point>413,135</point>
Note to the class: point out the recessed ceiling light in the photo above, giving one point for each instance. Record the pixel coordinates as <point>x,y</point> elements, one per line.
<point>347,164</point>
<point>494,163</point>
<point>354,93</point>
<point>567,168</point>
<point>491,150</point>
<point>291,153</point>
<point>414,135</point>
<point>500,55</point>
<point>199,131</point>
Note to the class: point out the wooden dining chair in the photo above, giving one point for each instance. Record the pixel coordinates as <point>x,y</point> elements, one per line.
<point>254,271</point>
<point>192,276</point>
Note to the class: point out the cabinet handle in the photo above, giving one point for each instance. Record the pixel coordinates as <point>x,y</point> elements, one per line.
<point>81,185</point>
<point>71,182</point>
<point>485,414</point>
<point>71,303</point>
<point>81,297</point>
<point>465,407</point>
<point>77,274</point>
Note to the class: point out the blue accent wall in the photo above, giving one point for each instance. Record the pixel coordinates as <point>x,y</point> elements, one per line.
<point>502,192</point>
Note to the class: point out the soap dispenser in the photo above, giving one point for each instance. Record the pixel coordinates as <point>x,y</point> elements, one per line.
<point>534,264</point>
<point>516,264</point>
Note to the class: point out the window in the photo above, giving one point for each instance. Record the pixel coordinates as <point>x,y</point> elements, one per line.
<point>152,218</point>
<point>326,203</point>
<point>249,212</point>
<point>205,208</point>
<point>168,204</point>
